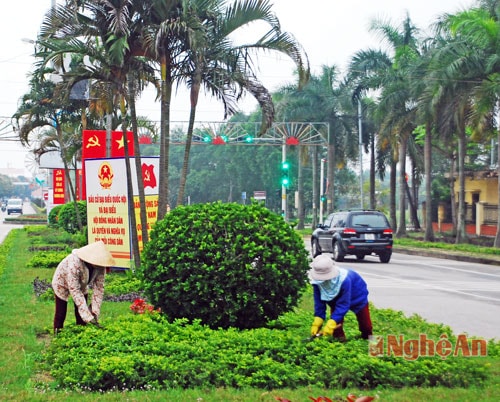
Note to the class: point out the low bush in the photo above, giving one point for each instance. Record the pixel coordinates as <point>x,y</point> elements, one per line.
<point>67,219</point>
<point>47,259</point>
<point>54,216</point>
<point>145,351</point>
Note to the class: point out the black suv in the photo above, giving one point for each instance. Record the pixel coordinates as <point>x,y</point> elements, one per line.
<point>359,233</point>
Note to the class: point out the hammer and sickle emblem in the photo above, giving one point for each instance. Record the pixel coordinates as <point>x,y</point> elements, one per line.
<point>93,142</point>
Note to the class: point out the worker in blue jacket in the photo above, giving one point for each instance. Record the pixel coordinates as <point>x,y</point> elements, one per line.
<point>342,290</point>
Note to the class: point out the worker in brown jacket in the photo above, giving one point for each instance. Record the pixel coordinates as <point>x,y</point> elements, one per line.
<point>85,267</point>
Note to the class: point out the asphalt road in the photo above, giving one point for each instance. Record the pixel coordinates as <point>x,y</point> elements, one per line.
<point>462,295</point>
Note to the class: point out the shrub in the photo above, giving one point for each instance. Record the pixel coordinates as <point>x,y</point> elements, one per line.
<point>229,265</point>
<point>48,259</point>
<point>54,216</point>
<point>141,351</point>
<point>67,216</point>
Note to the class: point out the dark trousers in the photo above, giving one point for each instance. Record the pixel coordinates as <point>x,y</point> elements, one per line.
<point>364,325</point>
<point>60,314</point>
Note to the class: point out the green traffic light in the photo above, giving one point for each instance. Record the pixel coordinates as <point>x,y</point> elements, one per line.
<point>249,139</point>
<point>285,165</point>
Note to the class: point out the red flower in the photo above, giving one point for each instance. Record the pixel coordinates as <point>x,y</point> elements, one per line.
<point>139,306</point>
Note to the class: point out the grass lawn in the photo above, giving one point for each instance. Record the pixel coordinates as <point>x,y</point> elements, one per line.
<point>25,332</point>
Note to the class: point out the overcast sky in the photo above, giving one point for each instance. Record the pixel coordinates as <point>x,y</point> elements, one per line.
<point>330,31</point>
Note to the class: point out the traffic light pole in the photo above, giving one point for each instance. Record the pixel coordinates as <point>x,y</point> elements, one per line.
<point>283,186</point>
<point>322,189</point>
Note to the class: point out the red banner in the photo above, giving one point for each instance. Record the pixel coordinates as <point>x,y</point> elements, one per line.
<point>94,146</point>
<point>59,186</point>
<point>118,144</point>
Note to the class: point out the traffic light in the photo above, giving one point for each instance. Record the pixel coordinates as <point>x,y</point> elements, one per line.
<point>248,139</point>
<point>323,197</point>
<point>285,179</point>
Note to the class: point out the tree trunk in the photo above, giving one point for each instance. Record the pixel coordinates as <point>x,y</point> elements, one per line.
<point>194,93</point>
<point>373,199</point>
<point>330,203</point>
<point>461,236</point>
<point>497,237</point>
<point>64,158</point>
<point>130,190</point>
<point>166,95</point>
<point>401,231</point>
<point>429,231</point>
<point>315,187</point>
<point>392,195</point>
<point>300,187</point>
<point>138,165</point>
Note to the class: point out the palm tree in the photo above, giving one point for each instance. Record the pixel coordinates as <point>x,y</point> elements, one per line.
<point>44,107</point>
<point>215,62</point>
<point>463,69</point>
<point>85,29</point>
<point>396,105</point>
<point>480,30</point>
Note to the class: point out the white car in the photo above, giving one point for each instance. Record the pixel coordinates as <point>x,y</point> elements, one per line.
<point>14,206</point>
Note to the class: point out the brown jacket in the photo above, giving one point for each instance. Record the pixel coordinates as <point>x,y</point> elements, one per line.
<point>72,278</point>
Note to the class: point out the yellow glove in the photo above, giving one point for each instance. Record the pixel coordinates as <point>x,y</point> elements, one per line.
<point>329,327</point>
<point>317,323</point>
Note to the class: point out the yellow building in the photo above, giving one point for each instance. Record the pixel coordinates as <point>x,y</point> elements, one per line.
<point>481,199</point>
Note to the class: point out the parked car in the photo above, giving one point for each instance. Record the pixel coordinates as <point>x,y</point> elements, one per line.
<point>354,232</point>
<point>14,206</point>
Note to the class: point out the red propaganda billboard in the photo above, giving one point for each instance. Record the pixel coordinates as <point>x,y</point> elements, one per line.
<point>94,145</point>
<point>108,203</point>
<point>59,186</point>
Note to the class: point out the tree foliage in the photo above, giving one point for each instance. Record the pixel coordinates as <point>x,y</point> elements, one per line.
<point>228,265</point>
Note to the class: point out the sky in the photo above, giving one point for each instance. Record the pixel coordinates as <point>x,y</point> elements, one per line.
<point>330,31</point>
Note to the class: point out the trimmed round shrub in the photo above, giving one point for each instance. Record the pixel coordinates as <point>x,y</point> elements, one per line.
<point>67,216</point>
<point>54,216</point>
<point>228,265</point>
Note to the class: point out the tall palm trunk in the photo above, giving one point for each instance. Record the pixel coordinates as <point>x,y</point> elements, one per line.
<point>497,237</point>
<point>373,200</point>
<point>453,198</point>
<point>401,231</point>
<point>130,189</point>
<point>429,231</point>
<point>461,230</point>
<point>315,187</point>
<point>392,194</point>
<point>300,179</point>
<point>194,94</point>
<point>166,96</point>
<point>69,182</point>
<point>330,204</point>
<point>138,163</point>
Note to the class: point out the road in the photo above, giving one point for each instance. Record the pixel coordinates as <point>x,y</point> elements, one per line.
<point>462,295</point>
<point>5,228</point>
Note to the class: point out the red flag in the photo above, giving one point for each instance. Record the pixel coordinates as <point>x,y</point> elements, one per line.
<point>94,144</point>
<point>118,144</point>
<point>148,176</point>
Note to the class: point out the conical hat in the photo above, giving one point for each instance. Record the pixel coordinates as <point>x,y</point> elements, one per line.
<point>96,254</point>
